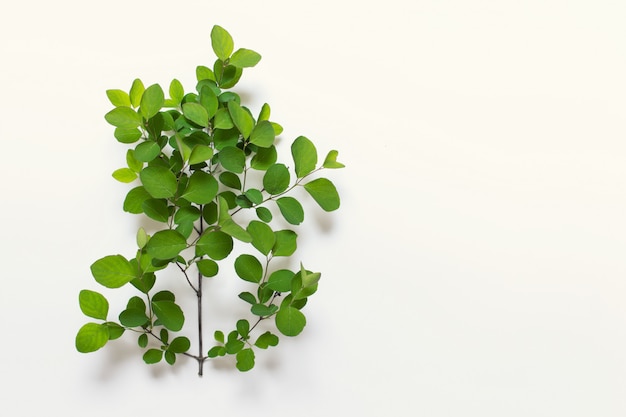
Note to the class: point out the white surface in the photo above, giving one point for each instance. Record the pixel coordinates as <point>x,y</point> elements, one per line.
<point>476,267</point>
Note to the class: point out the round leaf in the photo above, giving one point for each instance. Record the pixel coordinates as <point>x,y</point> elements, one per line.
<point>166,244</point>
<point>280,280</point>
<point>263,237</point>
<point>324,193</point>
<point>93,304</point>
<point>304,156</point>
<point>123,117</point>
<point>244,58</point>
<point>249,268</point>
<point>91,337</point>
<point>276,179</point>
<point>169,314</point>
<point>196,113</point>
<point>207,267</point>
<point>159,181</point>
<point>113,271</point>
<point>179,345</point>
<point>291,210</point>
<point>245,360</point>
<point>151,101</point>
<point>222,42</point>
<point>201,188</point>
<point>215,244</point>
<point>290,321</point>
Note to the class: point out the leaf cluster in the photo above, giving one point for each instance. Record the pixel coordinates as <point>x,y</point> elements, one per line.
<point>200,158</point>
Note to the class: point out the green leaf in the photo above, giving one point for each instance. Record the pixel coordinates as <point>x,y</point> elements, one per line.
<point>93,304</point>
<point>216,351</point>
<point>91,337</point>
<point>207,267</point>
<point>133,317</point>
<point>222,119</point>
<point>113,271</point>
<point>245,360</point>
<point>222,42</point>
<point>125,175</point>
<point>331,161</point>
<point>280,280</point>
<point>201,188</point>
<point>291,210</point>
<point>241,118</point>
<point>187,214</point>
<point>262,310</point>
<point>244,58</point>
<point>142,238</point>
<point>164,295</point>
<point>254,195</point>
<point>177,92</point>
<point>151,101</point>
<point>215,244</point>
<point>324,193</point>
<point>249,268</point>
<point>147,151</point>
<point>136,91</point>
<point>263,237</point>
<point>264,114</point>
<point>159,181</point>
<point>233,159</point>
<point>230,227</point>
<point>290,321</point>
<point>153,356</point>
<point>208,100</point>
<point>243,328</point>
<point>123,117</point>
<point>204,73</point>
<point>127,135</point>
<point>233,345</point>
<point>231,180</point>
<point>265,340</point>
<point>156,209</point>
<point>166,244</point>
<point>115,330</point>
<point>132,162</point>
<point>196,113</point>
<point>264,214</point>
<point>134,200</point>
<point>142,340</point>
<point>170,357</point>
<point>200,153</point>
<point>285,243</point>
<point>276,179</point>
<point>179,345</point>
<point>248,297</point>
<point>169,314</point>
<point>304,156</point>
<point>263,134</point>
<point>264,158</point>
<point>118,98</point>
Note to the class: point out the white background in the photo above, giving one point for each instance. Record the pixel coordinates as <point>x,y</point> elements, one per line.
<point>475,268</point>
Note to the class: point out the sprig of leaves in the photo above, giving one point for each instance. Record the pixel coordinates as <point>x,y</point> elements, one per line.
<point>194,154</point>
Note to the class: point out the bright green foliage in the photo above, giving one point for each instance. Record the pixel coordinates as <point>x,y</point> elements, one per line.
<point>201,158</point>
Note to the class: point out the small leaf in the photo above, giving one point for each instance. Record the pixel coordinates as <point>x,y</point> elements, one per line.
<point>159,181</point>
<point>262,310</point>
<point>324,193</point>
<point>290,321</point>
<point>153,356</point>
<point>248,297</point>
<point>243,328</point>
<point>276,179</point>
<point>291,210</point>
<point>304,156</point>
<point>222,119</point>
<point>177,92</point>
<point>170,357</point>
<point>231,180</point>
<point>215,244</point>
<point>222,42</point>
<point>265,340</point>
<point>249,268</point>
<point>156,209</point>
<point>136,91</point>
<point>93,304</point>
<point>264,114</point>
<point>147,151</point>
<point>264,158</point>
<point>179,345</point>
<point>241,118</point>
<point>125,175</point>
<point>91,337</point>
<point>285,243</point>
<point>244,58</point>
<point>164,295</point>
<point>201,188</point>
<point>207,267</point>
<point>118,98</point>
<point>169,314</point>
<point>263,134</point>
<point>216,351</point>
<point>142,341</point>
<point>233,345</point>
<point>133,317</point>
<point>133,163</point>
<point>151,101</point>
<point>166,244</point>
<point>233,159</point>
<point>195,113</point>
<point>113,271</point>
<point>245,360</point>
<point>280,280</point>
<point>264,214</point>
<point>123,117</point>
<point>204,73</point>
<point>218,335</point>
<point>187,214</point>
<point>331,161</point>
<point>115,330</point>
<point>209,101</point>
<point>134,200</point>
<point>263,237</point>
<point>200,153</point>
<point>127,135</point>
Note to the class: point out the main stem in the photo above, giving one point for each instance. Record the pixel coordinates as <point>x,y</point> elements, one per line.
<point>201,357</point>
